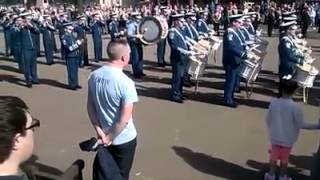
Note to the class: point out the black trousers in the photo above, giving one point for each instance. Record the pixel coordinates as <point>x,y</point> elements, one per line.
<point>114,162</point>
<point>270,28</point>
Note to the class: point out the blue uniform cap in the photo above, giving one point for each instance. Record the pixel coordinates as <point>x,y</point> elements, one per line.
<point>81,17</point>
<point>163,7</point>
<point>176,17</point>
<point>236,17</point>
<point>68,25</point>
<point>288,24</point>
<point>26,14</point>
<point>288,13</point>
<point>190,14</point>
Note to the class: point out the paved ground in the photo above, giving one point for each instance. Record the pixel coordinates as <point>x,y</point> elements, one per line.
<point>200,139</point>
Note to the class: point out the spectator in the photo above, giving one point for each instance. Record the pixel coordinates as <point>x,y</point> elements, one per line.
<point>16,136</point>
<point>111,96</point>
<point>284,121</point>
<point>305,21</point>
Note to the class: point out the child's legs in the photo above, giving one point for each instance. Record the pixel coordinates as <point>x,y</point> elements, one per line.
<point>284,157</point>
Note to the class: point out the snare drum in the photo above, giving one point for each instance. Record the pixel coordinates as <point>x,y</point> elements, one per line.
<point>249,70</point>
<point>153,29</point>
<point>195,67</point>
<point>305,75</point>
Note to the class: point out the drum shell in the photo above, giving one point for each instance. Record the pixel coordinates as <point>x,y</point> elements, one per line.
<point>158,24</point>
<point>195,67</point>
<point>249,70</point>
<point>304,78</point>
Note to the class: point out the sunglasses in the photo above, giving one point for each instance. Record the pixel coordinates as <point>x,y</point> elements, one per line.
<point>35,123</point>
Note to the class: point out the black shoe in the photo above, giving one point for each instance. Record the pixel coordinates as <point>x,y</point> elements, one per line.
<point>232,105</point>
<point>137,76</point>
<point>87,64</point>
<point>161,65</point>
<point>187,84</point>
<point>143,74</point>
<point>184,97</point>
<point>29,84</point>
<point>177,99</point>
<point>78,87</point>
<point>49,64</point>
<point>192,83</point>
<point>35,82</point>
<point>73,88</point>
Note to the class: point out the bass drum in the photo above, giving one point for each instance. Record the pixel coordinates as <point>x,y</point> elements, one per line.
<point>153,29</point>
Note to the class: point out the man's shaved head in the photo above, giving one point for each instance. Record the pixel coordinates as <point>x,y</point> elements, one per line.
<point>117,49</point>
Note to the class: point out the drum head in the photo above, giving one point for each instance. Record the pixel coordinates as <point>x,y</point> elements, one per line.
<point>151,30</point>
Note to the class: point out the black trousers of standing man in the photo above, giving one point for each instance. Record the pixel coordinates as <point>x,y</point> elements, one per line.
<point>114,162</point>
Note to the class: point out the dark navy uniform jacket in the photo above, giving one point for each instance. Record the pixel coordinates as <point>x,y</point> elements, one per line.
<point>113,27</point>
<point>288,56</point>
<point>81,31</point>
<point>71,46</point>
<point>233,48</point>
<point>177,43</point>
<point>47,33</point>
<point>96,29</point>
<point>202,27</point>
<point>15,37</point>
<point>28,38</point>
<point>60,27</point>
<point>246,33</point>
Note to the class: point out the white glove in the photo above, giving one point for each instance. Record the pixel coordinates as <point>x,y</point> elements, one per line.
<point>121,33</point>
<point>79,42</point>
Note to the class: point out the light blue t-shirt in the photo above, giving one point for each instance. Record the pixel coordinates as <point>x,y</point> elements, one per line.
<point>110,89</point>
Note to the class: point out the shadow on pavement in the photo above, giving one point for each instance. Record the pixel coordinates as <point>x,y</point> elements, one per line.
<point>9,68</point>
<point>12,79</point>
<point>53,83</point>
<point>293,172</point>
<point>215,166</point>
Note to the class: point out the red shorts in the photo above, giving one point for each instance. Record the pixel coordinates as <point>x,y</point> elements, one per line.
<point>279,152</point>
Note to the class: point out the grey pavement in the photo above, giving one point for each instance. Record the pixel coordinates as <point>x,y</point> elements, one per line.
<point>197,140</point>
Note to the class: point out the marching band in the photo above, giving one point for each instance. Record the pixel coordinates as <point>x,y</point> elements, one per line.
<point>192,41</point>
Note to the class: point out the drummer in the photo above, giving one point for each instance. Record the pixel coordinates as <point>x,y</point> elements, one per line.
<point>234,54</point>
<point>201,24</point>
<point>178,57</point>
<point>245,29</point>
<point>191,18</point>
<point>135,45</point>
<point>288,56</point>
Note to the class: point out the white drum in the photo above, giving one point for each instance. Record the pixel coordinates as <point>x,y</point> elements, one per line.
<point>195,67</point>
<point>153,29</point>
<point>249,70</point>
<point>305,75</point>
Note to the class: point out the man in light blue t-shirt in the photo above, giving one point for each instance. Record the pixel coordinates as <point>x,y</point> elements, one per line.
<point>111,96</point>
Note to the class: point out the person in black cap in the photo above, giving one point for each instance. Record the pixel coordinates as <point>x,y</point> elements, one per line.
<point>48,30</point>
<point>114,26</point>
<point>81,30</point>
<point>96,29</point>
<point>233,54</point>
<point>178,57</point>
<point>16,42</point>
<point>29,50</point>
<point>288,56</point>
<point>71,46</point>
<point>201,24</point>
<point>136,46</point>
<point>62,20</point>
<point>6,23</point>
